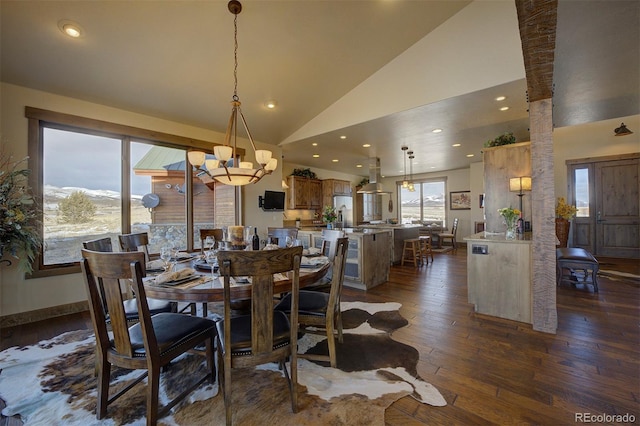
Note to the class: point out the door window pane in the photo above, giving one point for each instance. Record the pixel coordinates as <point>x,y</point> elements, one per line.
<point>581,195</point>
<point>81,191</point>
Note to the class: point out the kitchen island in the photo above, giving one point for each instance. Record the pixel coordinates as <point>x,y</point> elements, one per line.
<point>499,275</point>
<point>368,257</point>
<point>400,233</point>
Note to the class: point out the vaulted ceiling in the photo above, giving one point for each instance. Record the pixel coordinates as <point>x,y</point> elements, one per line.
<point>384,73</point>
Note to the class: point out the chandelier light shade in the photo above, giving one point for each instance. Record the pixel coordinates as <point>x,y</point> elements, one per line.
<point>622,130</point>
<point>226,168</point>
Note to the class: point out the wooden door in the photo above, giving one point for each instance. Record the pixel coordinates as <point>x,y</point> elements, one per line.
<point>609,223</point>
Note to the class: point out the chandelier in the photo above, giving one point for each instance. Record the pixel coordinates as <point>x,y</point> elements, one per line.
<point>225,168</point>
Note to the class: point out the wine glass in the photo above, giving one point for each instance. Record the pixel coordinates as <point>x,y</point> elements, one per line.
<point>165,255</point>
<point>209,242</point>
<point>210,256</point>
<point>175,251</point>
<point>289,241</point>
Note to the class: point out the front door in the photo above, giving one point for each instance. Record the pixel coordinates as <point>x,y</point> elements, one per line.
<point>606,192</point>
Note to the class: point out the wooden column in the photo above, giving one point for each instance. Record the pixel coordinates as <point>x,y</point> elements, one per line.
<point>545,315</point>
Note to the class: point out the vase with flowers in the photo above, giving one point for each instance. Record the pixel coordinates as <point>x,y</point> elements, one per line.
<point>329,216</point>
<point>564,213</point>
<point>510,216</point>
<point>18,215</point>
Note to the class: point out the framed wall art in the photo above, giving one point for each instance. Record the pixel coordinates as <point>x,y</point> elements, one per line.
<point>460,200</point>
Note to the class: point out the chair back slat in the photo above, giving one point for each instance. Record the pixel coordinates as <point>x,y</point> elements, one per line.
<point>105,270</point>
<point>337,279</point>
<point>329,242</point>
<point>100,244</point>
<point>260,266</point>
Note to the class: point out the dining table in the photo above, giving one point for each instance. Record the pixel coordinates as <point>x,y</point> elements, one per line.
<point>207,289</point>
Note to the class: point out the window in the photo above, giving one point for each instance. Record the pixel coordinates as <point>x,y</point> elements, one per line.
<point>581,194</point>
<point>426,204</point>
<point>100,179</point>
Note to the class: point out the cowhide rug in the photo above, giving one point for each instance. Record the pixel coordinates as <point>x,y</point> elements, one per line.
<point>53,382</point>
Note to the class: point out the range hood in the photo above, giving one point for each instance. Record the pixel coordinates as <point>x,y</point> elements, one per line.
<point>374,186</point>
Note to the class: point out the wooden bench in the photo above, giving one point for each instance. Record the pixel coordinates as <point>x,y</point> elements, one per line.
<point>571,259</point>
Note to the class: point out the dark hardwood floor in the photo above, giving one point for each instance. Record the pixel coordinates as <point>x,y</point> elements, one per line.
<point>494,371</point>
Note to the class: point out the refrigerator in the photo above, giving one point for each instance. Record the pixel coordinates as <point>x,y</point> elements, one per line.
<point>344,208</point>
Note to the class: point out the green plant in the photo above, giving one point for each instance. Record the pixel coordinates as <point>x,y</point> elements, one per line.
<point>304,173</point>
<point>18,214</point>
<point>504,139</point>
<point>329,214</point>
<point>510,215</point>
<point>76,208</point>
<point>363,182</point>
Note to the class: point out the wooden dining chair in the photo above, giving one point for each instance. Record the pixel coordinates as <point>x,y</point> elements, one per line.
<point>320,312</point>
<point>215,233</point>
<point>281,234</point>
<point>148,345</point>
<point>442,236</point>
<point>130,304</point>
<point>135,242</point>
<point>264,335</point>
<point>329,244</point>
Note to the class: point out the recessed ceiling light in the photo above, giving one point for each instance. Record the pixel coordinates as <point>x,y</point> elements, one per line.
<point>436,130</point>
<point>501,98</point>
<point>470,155</point>
<point>343,137</point>
<point>359,166</point>
<point>335,160</point>
<point>316,155</point>
<point>315,144</point>
<point>271,104</point>
<point>70,28</point>
<point>456,144</point>
<point>366,145</point>
<point>433,167</point>
<point>504,108</point>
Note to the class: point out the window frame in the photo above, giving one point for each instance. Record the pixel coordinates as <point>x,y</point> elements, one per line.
<point>38,119</point>
<point>442,179</point>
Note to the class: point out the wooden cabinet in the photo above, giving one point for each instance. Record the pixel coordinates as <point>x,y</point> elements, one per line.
<point>368,259</point>
<point>333,187</point>
<point>304,193</point>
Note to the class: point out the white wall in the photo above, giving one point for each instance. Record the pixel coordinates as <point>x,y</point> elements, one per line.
<point>20,295</point>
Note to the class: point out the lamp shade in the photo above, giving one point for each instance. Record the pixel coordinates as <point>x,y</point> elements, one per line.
<point>196,158</point>
<point>263,156</point>
<point>223,152</point>
<point>520,184</point>
<point>212,164</point>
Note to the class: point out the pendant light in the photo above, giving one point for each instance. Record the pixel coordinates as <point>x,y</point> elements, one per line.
<point>405,182</point>
<point>224,168</point>
<point>411,187</point>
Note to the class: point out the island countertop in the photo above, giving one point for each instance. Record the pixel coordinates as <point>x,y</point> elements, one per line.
<point>499,237</point>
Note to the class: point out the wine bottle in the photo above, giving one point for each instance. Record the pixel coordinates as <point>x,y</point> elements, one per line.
<point>255,241</point>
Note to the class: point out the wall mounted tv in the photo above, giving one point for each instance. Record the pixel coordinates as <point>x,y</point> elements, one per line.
<point>272,201</point>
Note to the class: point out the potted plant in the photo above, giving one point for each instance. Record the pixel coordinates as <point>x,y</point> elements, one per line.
<point>504,139</point>
<point>18,214</point>
<point>564,213</point>
<point>329,216</point>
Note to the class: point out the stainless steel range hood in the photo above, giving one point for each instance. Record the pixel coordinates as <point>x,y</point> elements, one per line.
<point>374,186</point>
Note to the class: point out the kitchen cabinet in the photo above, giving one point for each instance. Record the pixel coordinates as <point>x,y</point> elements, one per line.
<point>304,193</point>
<point>332,188</point>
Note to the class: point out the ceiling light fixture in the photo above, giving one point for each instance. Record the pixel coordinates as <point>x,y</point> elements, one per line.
<point>316,155</point>
<point>436,131</point>
<point>366,145</point>
<point>70,28</point>
<point>405,182</point>
<point>411,186</point>
<point>224,168</point>
<point>501,98</point>
<point>504,108</point>
<point>343,137</point>
<point>271,104</point>
<point>622,130</point>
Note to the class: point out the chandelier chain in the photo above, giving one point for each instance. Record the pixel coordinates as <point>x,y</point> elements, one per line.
<point>235,57</point>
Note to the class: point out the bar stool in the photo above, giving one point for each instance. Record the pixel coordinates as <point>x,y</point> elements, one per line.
<point>425,248</point>
<point>411,252</point>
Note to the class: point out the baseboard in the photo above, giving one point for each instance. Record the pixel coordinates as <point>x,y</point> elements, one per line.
<point>42,314</point>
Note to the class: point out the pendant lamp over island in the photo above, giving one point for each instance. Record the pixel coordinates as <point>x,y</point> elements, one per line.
<point>225,168</point>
